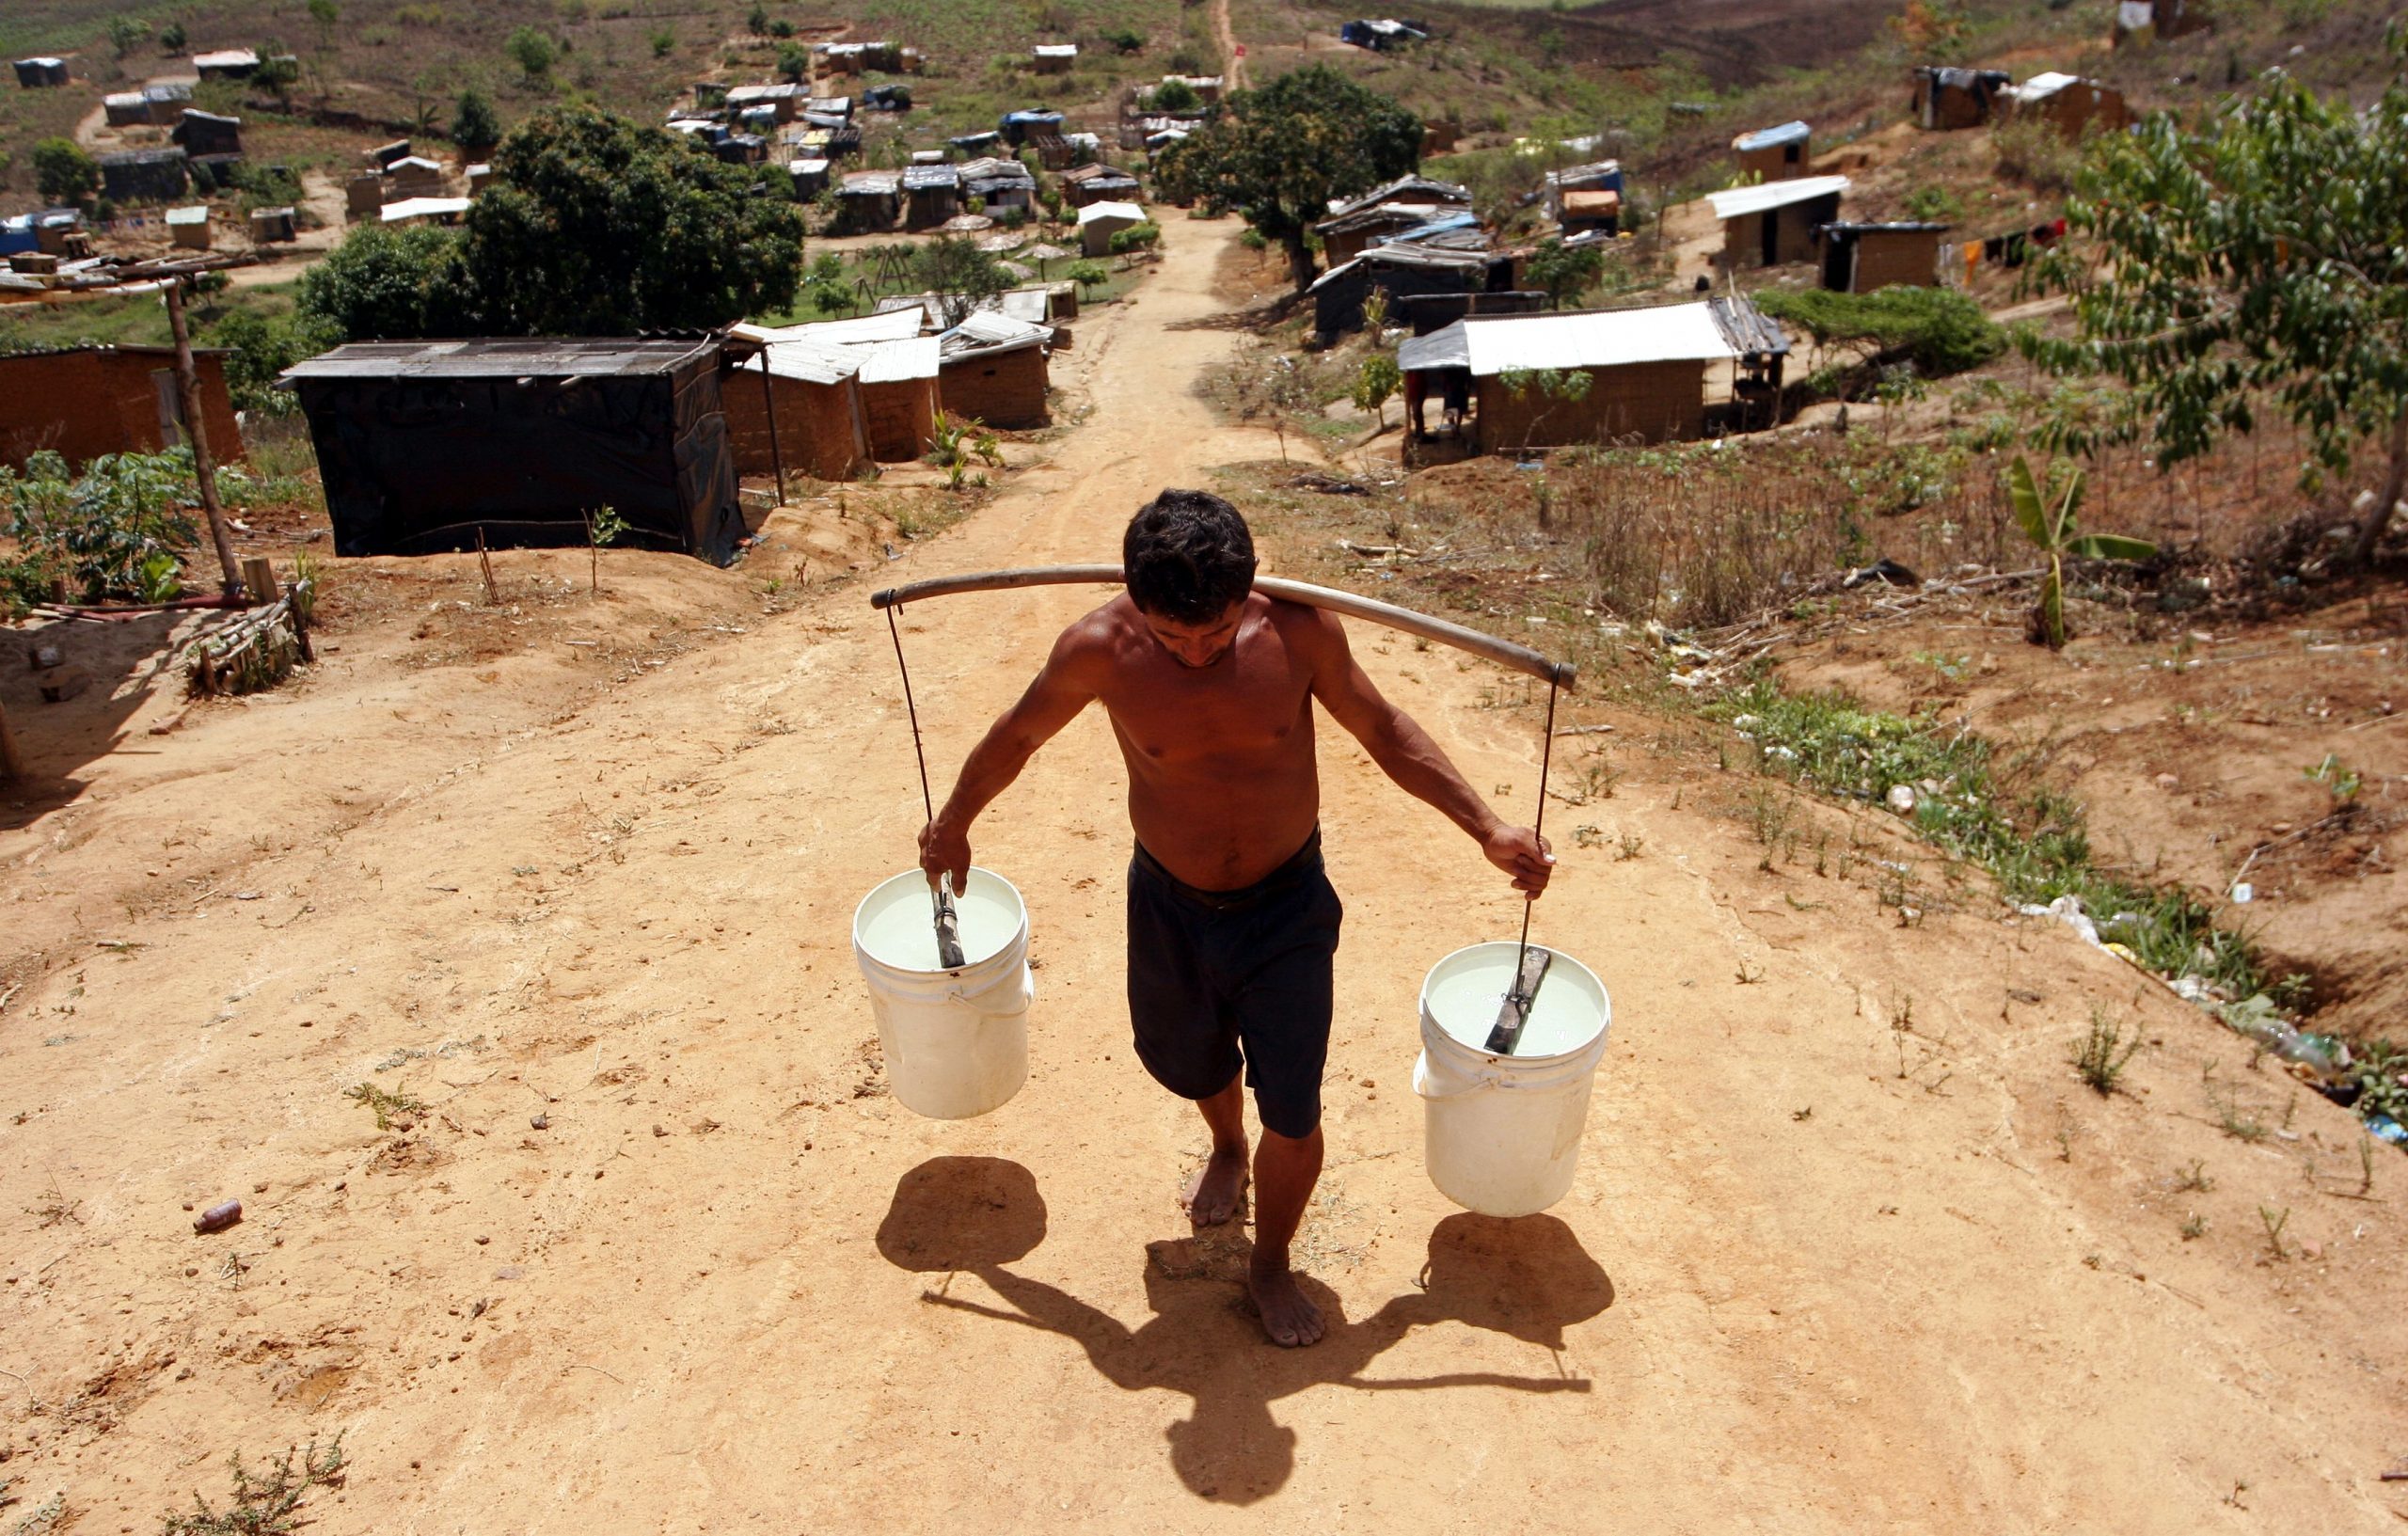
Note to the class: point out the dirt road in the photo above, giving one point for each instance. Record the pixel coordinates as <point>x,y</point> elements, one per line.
<point>1852,1248</point>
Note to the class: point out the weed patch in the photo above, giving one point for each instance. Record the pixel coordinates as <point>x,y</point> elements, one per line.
<point>390,1107</point>
<point>267,1504</point>
<point>2101,1055</point>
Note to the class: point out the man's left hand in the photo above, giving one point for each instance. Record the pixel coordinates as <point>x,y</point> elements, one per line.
<point>1522,853</point>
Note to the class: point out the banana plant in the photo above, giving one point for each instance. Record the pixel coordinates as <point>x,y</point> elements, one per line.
<point>2048,521</point>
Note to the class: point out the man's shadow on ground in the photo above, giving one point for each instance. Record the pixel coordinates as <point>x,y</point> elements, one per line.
<point>1527,1278</point>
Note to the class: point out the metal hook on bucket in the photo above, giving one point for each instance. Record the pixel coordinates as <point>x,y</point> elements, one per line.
<point>948,921</point>
<point>1528,968</point>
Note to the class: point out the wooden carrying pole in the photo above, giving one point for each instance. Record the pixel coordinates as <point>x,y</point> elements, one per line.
<point>1503,651</point>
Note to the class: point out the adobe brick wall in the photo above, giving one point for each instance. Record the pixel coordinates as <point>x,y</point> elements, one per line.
<point>1005,390</point>
<point>901,418</point>
<point>1654,402</point>
<point>1905,257</point>
<point>88,403</point>
<point>820,426</point>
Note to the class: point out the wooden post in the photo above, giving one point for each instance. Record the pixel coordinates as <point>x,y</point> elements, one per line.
<point>196,432</point>
<point>259,580</point>
<point>770,404</point>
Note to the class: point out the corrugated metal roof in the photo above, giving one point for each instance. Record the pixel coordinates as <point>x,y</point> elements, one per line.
<point>932,178</point>
<point>1492,344</point>
<point>1438,192</point>
<point>1772,138</point>
<point>1432,229</point>
<point>892,362</point>
<point>1442,348</point>
<point>1094,211</point>
<point>891,326</point>
<point>540,357</point>
<point>410,207</point>
<point>2041,86</point>
<point>225,58</point>
<point>871,184</point>
<point>991,331</point>
<point>198,213</point>
<point>1740,202</point>
<point>1057,50</point>
<point>813,362</point>
<point>1428,257</point>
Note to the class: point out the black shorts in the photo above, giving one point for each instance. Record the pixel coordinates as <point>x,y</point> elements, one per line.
<point>1220,979</point>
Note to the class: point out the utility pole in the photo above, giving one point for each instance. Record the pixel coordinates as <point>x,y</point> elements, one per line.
<point>196,432</point>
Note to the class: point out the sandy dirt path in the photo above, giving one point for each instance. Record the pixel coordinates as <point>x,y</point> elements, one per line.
<point>1823,1269</point>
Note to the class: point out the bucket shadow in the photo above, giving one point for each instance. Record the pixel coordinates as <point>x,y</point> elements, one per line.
<point>1527,1278</point>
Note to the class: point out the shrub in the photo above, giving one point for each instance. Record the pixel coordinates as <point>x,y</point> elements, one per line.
<point>1089,276</point>
<point>1176,96</point>
<point>119,530</point>
<point>756,20</point>
<point>1136,237</point>
<point>663,43</point>
<point>2033,152</point>
<point>63,172</point>
<point>171,38</point>
<point>125,33</point>
<point>1940,331</point>
<point>1126,40</point>
<point>531,52</point>
<point>474,124</point>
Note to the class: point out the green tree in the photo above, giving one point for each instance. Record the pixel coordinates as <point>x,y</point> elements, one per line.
<point>1939,330</point>
<point>63,172</point>
<point>1374,382</point>
<point>1089,276</point>
<point>172,38</point>
<point>1565,273</point>
<point>756,20</point>
<point>474,124</point>
<point>1175,95</point>
<point>793,62</point>
<point>1278,155</point>
<point>2048,519</point>
<point>389,282</point>
<point>2262,259</point>
<point>126,34</point>
<point>597,226</point>
<point>664,42</point>
<point>325,13</point>
<point>278,71</point>
<point>257,349</point>
<point>532,51</point>
<point>959,274</point>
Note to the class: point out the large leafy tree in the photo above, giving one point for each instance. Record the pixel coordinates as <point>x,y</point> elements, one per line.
<point>1280,154</point>
<point>598,227</point>
<point>2260,258</point>
<point>959,274</point>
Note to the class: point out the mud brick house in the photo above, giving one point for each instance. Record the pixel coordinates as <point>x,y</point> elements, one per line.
<point>1772,154</point>
<point>897,378</point>
<point>1646,367</point>
<point>424,445</point>
<point>994,368</point>
<point>85,402</point>
<point>1097,182</point>
<point>1864,257</point>
<point>1768,224</point>
<point>815,389</point>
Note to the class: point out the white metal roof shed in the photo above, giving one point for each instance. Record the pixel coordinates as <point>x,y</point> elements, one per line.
<point>2041,86</point>
<point>1126,211</point>
<point>1772,138</point>
<point>1740,202</point>
<point>894,326</point>
<point>410,207</point>
<point>1491,344</point>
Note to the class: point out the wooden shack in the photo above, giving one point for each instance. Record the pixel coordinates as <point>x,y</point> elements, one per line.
<point>930,194</point>
<point>188,228</point>
<point>822,429</point>
<point>1402,271</point>
<point>1946,98</point>
<point>2073,105</point>
<point>272,226</point>
<point>1866,257</point>
<point>145,175</point>
<point>1773,154</point>
<point>868,201</point>
<point>1052,58</point>
<point>424,446</point>
<point>1647,371</point>
<point>84,402</point>
<point>40,73</point>
<point>1774,223</point>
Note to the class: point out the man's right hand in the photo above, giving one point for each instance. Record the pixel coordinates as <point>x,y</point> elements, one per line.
<point>945,851</point>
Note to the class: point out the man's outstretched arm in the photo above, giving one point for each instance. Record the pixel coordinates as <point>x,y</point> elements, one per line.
<point>1405,754</point>
<point>1063,687</point>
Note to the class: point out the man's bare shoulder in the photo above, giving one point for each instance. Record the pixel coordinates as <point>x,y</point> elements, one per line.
<point>1313,634</point>
<point>1096,640</point>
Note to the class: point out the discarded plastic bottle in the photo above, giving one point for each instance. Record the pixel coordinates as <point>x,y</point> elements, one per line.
<point>2384,1127</point>
<point>218,1217</point>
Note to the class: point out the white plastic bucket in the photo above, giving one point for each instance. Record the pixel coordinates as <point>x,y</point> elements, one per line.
<point>1501,1134</point>
<point>956,1041</point>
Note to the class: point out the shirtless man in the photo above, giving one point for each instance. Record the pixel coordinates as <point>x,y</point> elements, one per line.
<point>1232,924</point>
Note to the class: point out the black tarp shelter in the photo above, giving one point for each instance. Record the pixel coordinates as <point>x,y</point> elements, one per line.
<point>424,444</point>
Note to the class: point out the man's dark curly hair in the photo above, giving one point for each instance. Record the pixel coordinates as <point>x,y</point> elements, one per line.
<point>1187,556</point>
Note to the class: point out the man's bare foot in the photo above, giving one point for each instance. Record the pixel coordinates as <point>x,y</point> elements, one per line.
<point>1288,1318</point>
<point>1213,1199</point>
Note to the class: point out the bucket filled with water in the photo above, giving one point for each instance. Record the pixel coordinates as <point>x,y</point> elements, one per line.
<point>956,1040</point>
<point>1503,1130</point>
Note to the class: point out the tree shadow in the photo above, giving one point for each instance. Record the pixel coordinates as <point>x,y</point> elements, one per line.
<point>1527,1278</point>
<point>127,660</point>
